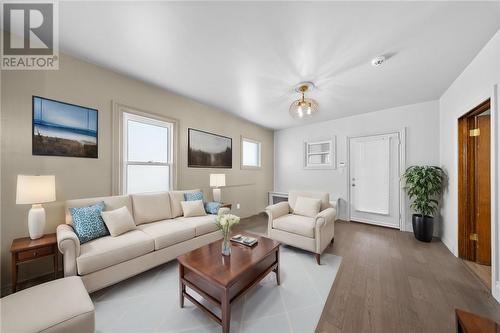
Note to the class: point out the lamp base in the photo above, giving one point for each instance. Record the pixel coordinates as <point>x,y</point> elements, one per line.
<point>36,221</point>
<point>217,195</point>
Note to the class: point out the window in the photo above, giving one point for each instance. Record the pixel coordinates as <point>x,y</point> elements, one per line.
<point>250,153</point>
<point>319,155</point>
<point>147,154</point>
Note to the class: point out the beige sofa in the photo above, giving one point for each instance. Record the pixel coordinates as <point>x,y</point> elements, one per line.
<point>161,235</point>
<point>309,233</point>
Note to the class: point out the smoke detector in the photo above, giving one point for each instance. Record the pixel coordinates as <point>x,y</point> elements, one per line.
<point>378,61</point>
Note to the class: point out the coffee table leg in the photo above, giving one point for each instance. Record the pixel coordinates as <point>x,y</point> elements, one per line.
<point>182,286</point>
<point>226,311</point>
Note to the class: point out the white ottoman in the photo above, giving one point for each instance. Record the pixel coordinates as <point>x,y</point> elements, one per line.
<point>58,306</point>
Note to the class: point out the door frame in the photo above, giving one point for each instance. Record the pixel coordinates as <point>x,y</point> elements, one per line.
<point>495,194</point>
<point>466,246</point>
<point>402,167</point>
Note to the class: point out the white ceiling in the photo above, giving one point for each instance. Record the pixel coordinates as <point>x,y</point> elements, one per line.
<point>245,58</point>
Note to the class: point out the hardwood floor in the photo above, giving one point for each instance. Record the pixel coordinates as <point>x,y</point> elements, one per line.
<point>390,282</point>
<point>483,272</point>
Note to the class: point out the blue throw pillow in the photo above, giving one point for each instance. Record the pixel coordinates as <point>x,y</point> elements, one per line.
<point>193,196</point>
<point>212,207</point>
<point>88,223</point>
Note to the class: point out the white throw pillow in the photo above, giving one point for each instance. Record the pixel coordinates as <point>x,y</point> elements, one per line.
<point>307,206</point>
<point>193,208</point>
<point>118,221</point>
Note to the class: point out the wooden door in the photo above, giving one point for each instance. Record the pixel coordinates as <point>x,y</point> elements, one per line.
<point>482,190</point>
<point>474,185</point>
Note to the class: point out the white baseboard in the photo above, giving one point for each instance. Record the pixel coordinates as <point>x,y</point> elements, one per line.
<point>450,245</point>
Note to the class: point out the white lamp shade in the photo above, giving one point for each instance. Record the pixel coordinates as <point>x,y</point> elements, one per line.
<point>35,189</point>
<point>217,179</point>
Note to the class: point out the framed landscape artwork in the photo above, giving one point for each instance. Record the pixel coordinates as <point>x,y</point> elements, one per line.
<point>207,150</point>
<point>62,129</point>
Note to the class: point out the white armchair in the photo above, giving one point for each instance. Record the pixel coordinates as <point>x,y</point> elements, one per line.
<point>312,234</point>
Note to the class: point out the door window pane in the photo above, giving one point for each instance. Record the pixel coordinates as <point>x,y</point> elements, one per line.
<point>147,178</point>
<point>147,142</point>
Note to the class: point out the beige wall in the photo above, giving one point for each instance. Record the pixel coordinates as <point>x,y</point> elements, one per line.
<point>85,84</point>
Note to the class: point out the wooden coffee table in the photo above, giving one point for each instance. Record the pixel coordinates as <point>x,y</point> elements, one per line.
<point>222,280</point>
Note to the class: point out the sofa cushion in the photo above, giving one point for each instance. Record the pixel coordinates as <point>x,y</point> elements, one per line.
<point>193,196</point>
<point>212,207</point>
<point>118,221</point>
<point>62,305</point>
<point>193,208</point>
<point>88,223</point>
<point>108,251</point>
<point>110,203</point>
<point>202,224</point>
<point>175,201</point>
<point>307,206</point>
<point>296,224</point>
<point>168,232</point>
<point>151,207</point>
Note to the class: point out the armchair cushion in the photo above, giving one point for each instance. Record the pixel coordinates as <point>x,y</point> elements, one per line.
<point>323,196</point>
<point>307,206</point>
<point>296,224</point>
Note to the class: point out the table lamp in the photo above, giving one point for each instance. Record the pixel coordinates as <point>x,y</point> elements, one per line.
<point>217,180</point>
<point>35,190</point>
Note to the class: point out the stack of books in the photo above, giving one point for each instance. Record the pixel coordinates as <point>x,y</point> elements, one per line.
<point>245,240</point>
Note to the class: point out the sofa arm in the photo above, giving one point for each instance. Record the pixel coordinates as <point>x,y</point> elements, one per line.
<point>326,216</point>
<point>69,245</point>
<point>324,229</point>
<point>277,210</point>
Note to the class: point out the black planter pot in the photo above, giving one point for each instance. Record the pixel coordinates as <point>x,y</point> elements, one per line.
<point>423,227</point>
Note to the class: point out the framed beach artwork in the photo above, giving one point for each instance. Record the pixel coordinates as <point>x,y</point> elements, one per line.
<point>208,150</point>
<point>63,129</point>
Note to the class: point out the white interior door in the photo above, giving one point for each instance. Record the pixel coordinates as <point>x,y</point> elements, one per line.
<point>374,179</point>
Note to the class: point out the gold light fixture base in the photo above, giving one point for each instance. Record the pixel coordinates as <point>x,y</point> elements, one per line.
<point>302,87</point>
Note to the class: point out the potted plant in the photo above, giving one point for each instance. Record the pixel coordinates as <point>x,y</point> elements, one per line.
<point>424,184</point>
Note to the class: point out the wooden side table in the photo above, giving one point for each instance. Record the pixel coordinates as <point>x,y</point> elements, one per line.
<point>225,205</point>
<point>25,250</point>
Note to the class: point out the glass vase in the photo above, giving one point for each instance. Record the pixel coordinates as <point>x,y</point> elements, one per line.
<point>226,245</point>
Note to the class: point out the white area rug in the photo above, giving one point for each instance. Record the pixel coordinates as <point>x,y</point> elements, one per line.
<point>150,302</point>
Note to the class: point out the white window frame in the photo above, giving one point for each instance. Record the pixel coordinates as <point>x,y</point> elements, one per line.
<point>331,151</point>
<point>121,114</point>
<point>259,145</point>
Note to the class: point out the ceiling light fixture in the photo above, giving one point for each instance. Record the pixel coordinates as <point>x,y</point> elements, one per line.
<point>303,107</point>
